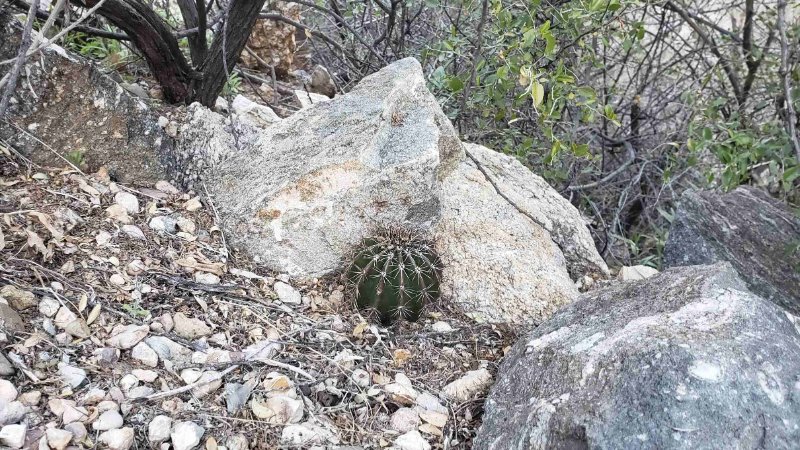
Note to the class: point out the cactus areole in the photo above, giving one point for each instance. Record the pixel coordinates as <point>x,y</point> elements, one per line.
<point>394,275</point>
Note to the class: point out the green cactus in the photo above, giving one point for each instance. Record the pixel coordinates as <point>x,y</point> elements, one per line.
<point>394,275</point>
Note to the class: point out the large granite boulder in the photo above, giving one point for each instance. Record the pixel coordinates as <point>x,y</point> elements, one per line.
<point>686,359</point>
<point>502,262</point>
<point>300,194</point>
<point>757,234</point>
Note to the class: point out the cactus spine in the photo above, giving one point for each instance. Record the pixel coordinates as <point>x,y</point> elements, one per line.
<point>394,275</point>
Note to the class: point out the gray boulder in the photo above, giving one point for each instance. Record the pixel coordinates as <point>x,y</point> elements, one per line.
<point>533,198</point>
<point>757,234</point>
<point>686,359</point>
<point>498,264</point>
<point>298,195</point>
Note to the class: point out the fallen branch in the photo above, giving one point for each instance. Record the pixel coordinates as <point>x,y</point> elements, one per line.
<point>188,387</point>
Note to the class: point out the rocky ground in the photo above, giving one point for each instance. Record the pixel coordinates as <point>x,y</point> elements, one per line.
<point>127,322</point>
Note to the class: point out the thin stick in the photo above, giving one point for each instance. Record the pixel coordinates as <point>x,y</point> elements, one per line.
<point>188,387</point>
<point>22,54</point>
<point>791,114</point>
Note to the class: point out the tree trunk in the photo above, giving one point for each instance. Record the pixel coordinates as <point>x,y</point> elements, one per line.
<point>179,82</point>
<point>226,48</point>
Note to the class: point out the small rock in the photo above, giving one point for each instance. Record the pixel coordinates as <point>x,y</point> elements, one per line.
<point>135,267</point>
<point>72,376</point>
<point>469,386</point>
<point>206,278</point>
<point>13,436</point>
<point>186,225</point>
<point>163,224</point>
<point>125,337</point>
<point>6,368</point>
<point>127,201</point>
<point>412,441</point>
<point>278,384</point>
<point>93,396</point>
<point>128,382</point>
<point>134,232</point>
<point>48,306</point>
<point>306,99</point>
<point>441,327</point>
<point>8,392</point>
<point>159,429</point>
<point>190,327</point>
<point>633,273</point>
<point>221,105</point>
<point>361,378</point>
<point>169,350</point>
<point>211,381</point>
<point>307,434</point>
<point>30,398</point>
<point>166,320</point>
<point>78,430</point>
<point>64,316</point>
<point>10,319</point>
<point>434,418</point>
<point>165,186</point>
<point>103,238</point>
<point>18,299</point>
<point>236,396</point>
<point>74,414</point>
<point>12,412</point>
<point>278,410</point>
<point>78,329</point>
<point>237,442</point>
<point>401,391</point>
<point>58,439</point>
<point>140,392</point>
<point>117,279</point>
<point>110,405</point>
<point>346,359</point>
<point>186,435</point>
<point>286,293</point>
<point>58,405</point>
<point>146,355</point>
<point>106,356</point>
<point>261,350</point>
<point>404,420</point>
<point>121,439</point>
<point>430,403</point>
<point>147,376</point>
<point>193,204</point>
<point>109,420</point>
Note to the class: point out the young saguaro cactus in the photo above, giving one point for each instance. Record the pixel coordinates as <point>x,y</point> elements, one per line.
<point>394,275</point>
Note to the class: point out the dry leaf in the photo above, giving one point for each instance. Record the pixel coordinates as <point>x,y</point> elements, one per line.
<point>359,329</point>
<point>45,220</point>
<point>36,242</point>
<point>401,356</point>
<point>93,314</point>
<point>82,302</point>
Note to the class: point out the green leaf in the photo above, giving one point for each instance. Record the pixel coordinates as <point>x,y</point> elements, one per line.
<point>455,84</point>
<point>537,93</point>
<point>580,150</point>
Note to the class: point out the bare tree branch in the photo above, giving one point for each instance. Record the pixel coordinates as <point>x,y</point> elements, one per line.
<point>22,55</point>
<point>791,114</point>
